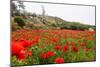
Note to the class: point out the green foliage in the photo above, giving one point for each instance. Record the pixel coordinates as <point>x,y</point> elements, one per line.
<point>20,21</point>
<point>53,25</point>
<point>75,26</point>
<point>50,22</point>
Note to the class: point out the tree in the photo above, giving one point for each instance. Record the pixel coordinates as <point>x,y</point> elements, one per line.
<point>43,13</point>
<point>21,6</point>
<point>20,21</point>
<point>14,8</point>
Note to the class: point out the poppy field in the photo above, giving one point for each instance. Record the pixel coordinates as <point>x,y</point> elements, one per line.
<point>32,47</point>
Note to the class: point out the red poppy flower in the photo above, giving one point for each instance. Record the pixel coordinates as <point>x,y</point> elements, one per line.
<point>36,39</point>
<point>25,43</point>
<point>81,44</point>
<point>86,50</point>
<point>47,54</point>
<point>75,49</point>
<point>53,40</point>
<point>50,53</point>
<point>30,53</point>
<point>57,47</point>
<point>59,60</point>
<point>44,56</point>
<point>66,48</point>
<point>16,48</point>
<point>73,43</point>
<point>22,52</point>
<point>22,55</point>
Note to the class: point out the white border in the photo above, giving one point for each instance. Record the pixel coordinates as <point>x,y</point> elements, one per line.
<point>5,34</point>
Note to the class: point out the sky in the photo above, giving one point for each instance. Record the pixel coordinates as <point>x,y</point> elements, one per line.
<point>82,14</point>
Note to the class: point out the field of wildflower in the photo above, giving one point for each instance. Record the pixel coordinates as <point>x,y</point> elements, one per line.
<point>32,47</point>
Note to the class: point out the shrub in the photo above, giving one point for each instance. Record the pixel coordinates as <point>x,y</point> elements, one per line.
<point>20,21</point>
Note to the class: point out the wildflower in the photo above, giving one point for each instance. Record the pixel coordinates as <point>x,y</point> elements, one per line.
<point>47,54</point>
<point>53,40</point>
<point>36,39</point>
<point>25,43</point>
<point>22,55</point>
<point>66,48</point>
<point>72,43</point>
<point>29,53</point>
<point>75,49</point>
<point>86,50</point>
<point>16,48</point>
<point>50,53</point>
<point>44,56</point>
<point>57,47</point>
<point>59,60</point>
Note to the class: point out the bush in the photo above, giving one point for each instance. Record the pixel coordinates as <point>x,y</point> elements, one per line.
<point>20,21</point>
<point>14,28</point>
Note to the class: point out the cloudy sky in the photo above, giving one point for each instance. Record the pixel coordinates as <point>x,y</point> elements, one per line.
<point>82,14</point>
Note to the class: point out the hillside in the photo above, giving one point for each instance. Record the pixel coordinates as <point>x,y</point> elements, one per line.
<point>47,22</point>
